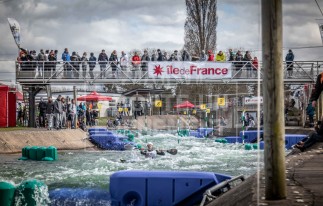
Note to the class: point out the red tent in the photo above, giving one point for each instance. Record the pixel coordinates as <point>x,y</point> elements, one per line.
<point>8,107</point>
<point>185,104</point>
<point>94,96</point>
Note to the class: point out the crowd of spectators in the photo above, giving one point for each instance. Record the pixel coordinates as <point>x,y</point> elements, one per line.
<point>62,112</point>
<point>47,60</point>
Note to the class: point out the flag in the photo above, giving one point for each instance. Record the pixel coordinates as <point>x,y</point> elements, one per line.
<point>15,30</point>
<point>320,24</point>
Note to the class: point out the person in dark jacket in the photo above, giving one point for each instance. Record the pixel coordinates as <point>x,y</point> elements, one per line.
<point>92,63</point>
<point>314,137</point>
<point>42,107</point>
<point>186,56</point>
<point>144,61</point>
<point>50,113</point>
<point>75,61</point>
<point>160,55</point>
<point>114,62</point>
<point>103,61</point>
<point>289,62</point>
<point>318,89</point>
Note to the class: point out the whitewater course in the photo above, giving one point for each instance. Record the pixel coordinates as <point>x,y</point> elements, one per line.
<point>105,167</point>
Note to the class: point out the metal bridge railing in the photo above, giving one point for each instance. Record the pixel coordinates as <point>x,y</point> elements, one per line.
<point>54,70</point>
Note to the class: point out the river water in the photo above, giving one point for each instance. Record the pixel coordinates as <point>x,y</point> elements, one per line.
<point>92,169</point>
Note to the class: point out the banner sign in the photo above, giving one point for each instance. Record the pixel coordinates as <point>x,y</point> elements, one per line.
<point>221,101</point>
<point>15,30</point>
<point>189,70</point>
<point>253,100</point>
<point>320,23</point>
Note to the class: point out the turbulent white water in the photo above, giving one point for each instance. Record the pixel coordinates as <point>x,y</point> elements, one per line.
<point>92,169</point>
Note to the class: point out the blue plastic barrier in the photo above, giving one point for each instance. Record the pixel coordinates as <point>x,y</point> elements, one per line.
<point>96,129</point>
<point>250,135</point>
<point>204,131</point>
<point>100,132</point>
<point>291,139</point>
<point>162,188</point>
<point>233,139</point>
<point>196,134</point>
<point>262,145</point>
<point>72,197</point>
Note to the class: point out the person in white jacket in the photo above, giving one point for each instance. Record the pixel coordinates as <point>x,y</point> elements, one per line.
<point>124,61</point>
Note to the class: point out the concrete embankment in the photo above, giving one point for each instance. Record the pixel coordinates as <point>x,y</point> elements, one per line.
<point>14,141</point>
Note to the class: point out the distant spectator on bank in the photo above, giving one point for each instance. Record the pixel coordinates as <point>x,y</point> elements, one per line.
<point>203,56</point>
<point>47,54</point>
<point>144,61</point>
<point>72,109</point>
<point>58,111</point>
<point>103,61</point>
<point>160,55</point>
<point>310,111</point>
<point>220,57</point>
<point>186,56</point>
<point>84,63</point>
<point>255,66</point>
<point>154,56</point>
<point>42,106</point>
<point>124,61</point>
<point>289,63</point>
<point>50,113</point>
<point>92,63</point>
<point>231,55</point>
<point>172,58</point>
<point>66,58</point>
<point>211,56</point>
<point>114,63</point>
<point>64,113</point>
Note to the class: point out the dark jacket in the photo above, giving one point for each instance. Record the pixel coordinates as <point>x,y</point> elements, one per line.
<point>50,108</point>
<point>160,57</point>
<point>42,106</point>
<point>103,58</point>
<point>92,61</point>
<point>318,88</point>
<point>289,57</point>
<point>58,108</point>
<point>144,60</point>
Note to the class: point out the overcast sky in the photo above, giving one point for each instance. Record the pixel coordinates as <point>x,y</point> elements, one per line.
<point>92,25</point>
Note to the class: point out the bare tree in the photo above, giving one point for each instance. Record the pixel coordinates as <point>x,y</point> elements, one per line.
<point>200,26</point>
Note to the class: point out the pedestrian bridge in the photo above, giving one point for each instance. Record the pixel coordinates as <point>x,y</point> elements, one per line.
<point>72,73</point>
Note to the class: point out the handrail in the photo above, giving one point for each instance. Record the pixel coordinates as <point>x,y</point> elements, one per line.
<point>208,192</point>
<point>51,71</point>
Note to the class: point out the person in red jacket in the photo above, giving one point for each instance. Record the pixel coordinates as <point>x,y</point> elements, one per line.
<point>255,66</point>
<point>211,56</point>
<point>135,64</point>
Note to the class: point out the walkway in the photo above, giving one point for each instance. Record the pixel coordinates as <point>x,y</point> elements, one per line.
<point>304,178</point>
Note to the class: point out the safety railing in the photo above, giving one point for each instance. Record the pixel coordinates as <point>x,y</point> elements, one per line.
<point>92,72</point>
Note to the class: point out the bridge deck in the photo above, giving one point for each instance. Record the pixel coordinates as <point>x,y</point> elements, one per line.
<point>65,73</point>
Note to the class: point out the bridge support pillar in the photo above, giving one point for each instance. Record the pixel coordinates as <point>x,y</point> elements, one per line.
<point>33,91</point>
<point>49,91</point>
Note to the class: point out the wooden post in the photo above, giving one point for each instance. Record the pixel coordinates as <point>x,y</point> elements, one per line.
<point>273,91</point>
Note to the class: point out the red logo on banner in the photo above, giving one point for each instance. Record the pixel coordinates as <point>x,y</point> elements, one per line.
<point>158,70</point>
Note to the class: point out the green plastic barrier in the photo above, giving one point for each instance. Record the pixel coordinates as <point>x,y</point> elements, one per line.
<point>248,147</point>
<point>41,152</point>
<point>183,132</point>
<point>33,153</point>
<point>131,137</point>
<point>29,191</point>
<point>221,140</point>
<point>51,152</point>
<point>7,192</point>
<point>255,146</point>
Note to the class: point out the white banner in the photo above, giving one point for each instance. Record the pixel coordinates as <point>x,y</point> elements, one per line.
<point>320,23</point>
<point>253,100</point>
<point>189,70</point>
<point>15,30</point>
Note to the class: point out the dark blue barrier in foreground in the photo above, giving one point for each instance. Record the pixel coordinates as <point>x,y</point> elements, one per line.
<point>163,188</point>
<point>79,196</point>
<point>233,139</point>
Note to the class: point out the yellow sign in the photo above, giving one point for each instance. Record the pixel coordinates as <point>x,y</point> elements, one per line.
<point>221,101</point>
<point>120,109</point>
<point>208,111</point>
<point>158,103</point>
<point>125,109</point>
<point>184,112</point>
<point>194,111</point>
<point>203,106</point>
